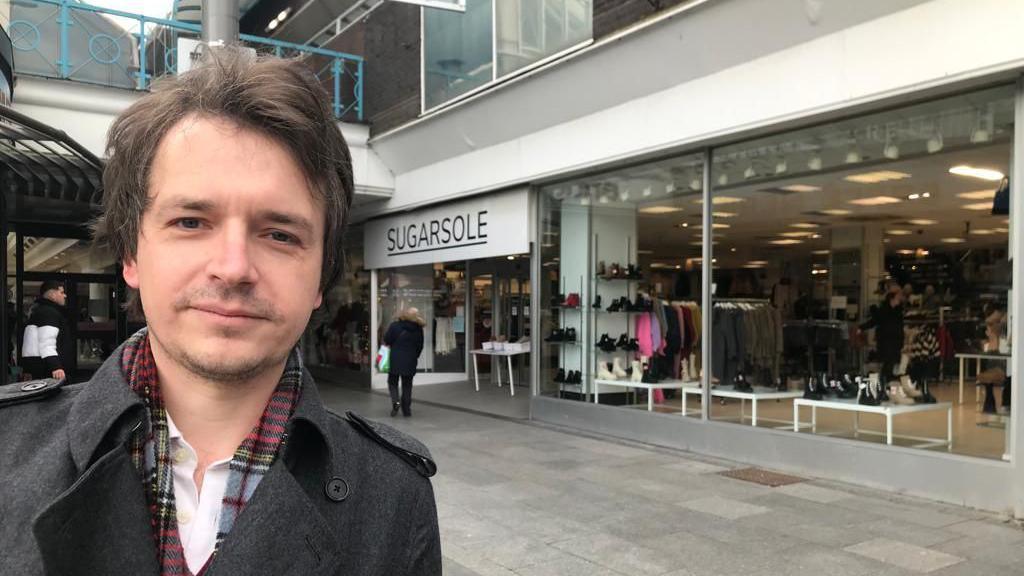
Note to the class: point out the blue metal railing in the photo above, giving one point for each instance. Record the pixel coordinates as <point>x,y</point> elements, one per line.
<point>70,40</point>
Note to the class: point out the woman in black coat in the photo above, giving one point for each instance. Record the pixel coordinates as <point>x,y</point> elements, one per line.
<point>405,337</point>
<point>888,324</point>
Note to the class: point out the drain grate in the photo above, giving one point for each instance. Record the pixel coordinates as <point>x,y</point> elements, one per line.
<point>763,477</point>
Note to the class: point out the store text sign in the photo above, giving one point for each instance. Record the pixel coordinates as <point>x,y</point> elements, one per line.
<point>493,225</point>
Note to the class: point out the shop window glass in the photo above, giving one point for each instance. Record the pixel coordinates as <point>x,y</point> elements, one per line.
<point>531,30</point>
<point>869,250</point>
<point>69,255</point>
<point>338,335</point>
<point>458,51</point>
<point>438,291</point>
<point>620,286</point>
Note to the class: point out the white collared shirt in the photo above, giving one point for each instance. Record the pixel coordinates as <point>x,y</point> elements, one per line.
<point>198,512</point>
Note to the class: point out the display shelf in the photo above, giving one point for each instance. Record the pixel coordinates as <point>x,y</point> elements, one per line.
<point>563,342</point>
<point>619,278</point>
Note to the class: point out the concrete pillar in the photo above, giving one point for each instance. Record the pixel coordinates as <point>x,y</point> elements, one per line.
<point>220,22</point>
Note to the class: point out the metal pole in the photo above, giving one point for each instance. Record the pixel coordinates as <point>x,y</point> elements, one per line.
<point>220,22</point>
<point>5,364</point>
<point>707,277</point>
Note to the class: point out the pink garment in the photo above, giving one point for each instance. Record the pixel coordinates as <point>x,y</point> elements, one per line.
<point>659,395</point>
<point>643,335</point>
<point>657,342</point>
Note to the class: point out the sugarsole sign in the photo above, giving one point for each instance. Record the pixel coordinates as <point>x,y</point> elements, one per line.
<point>494,225</point>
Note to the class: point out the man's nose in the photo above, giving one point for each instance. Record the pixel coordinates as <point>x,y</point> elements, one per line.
<point>232,261</point>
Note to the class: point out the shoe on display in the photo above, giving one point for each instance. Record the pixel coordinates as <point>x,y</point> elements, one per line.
<point>603,373</point>
<point>632,346</point>
<point>637,373</point>
<point>1007,394</point>
<point>908,387</point>
<point>597,301</point>
<point>600,269</point>
<point>557,300</point>
<point>605,343</point>
<point>989,407</point>
<point>899,397</point>
<point>740,384</point>
<point>617,369</point>
<point>781,385</point>
<point>614,271</point>
<point>570,335</point>
<point>864,394</point>
<point>623,341</point>
<point>560,376</point>
<point>926,395</point>
<point>571,301</point>
<point>811,390</point>
<point>633,272</point>
<point>557,335</point>
<point>615,306</point>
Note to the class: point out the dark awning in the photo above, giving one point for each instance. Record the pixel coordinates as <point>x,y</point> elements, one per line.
<point>46,177</point>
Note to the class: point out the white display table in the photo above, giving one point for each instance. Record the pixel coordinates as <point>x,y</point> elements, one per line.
<point>626,383</point>
<point>506,353</point>
<point>979,357</point>
<point>757,394</point>
<point>887,410</point>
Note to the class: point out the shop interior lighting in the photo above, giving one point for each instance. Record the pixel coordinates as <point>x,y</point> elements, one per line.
<point>875,201</point>
<point>719,200</point>
<point>905,252</point>
<point>974,172</point>
<point>821,252</point>
<point>977,195</point>
<point>922,222</point>
<point>805,225</point>
<point>724,214</point>
<point>684,225</point>
<point>279,19</point>
<point>837,212</point>
<point>670,187</point>
<point>919,195</point>
<point>978,206</point>
<point>982,232</point>
<point>786,242</point>
<point>921,252</point>
<point>1001,230</point>
<point>758,262</point>
<point>732,250</point>
<point>796,234</point>
<point>891,149</point>
<point>953,240</point>
<point>714,226</point>
<point>695,184</point>
<point>723,179</point>
<point>781,166</point>
<point>898,232</point>
<point>876,177</point>
<point>750,172</point>
<point>510,257</point>
<point>982,133</point>
<point>814,162</point>
<point>659,209</point>
<point>800,188</point>
<point>647,191</point>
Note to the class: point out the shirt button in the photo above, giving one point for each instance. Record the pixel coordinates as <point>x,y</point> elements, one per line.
<point>181,456</point>
<point>184,517</point>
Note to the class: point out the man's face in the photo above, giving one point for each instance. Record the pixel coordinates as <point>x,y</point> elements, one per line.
<point>229,251</point>
<point>57,295</point>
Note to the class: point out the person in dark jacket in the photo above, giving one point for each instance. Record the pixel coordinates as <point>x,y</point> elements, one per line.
<point>887,321</point>
<point>405,337</point>
<point>44,331</point>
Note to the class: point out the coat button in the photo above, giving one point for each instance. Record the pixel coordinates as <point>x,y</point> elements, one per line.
<point>336,489</point>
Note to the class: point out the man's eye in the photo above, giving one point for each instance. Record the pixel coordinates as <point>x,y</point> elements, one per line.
<point>283,237</point>
<point>188,223</point>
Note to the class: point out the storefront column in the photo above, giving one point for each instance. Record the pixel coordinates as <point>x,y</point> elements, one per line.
<point>707,276</point>
<point>1016,305</point>
<point>374,328</point>
<point>5,364</point>
<point>535,306</point>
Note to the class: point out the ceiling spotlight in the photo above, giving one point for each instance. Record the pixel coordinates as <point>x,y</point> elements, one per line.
<point>913,196</point>
<point>935,143</point>
<point>981,173</point>
<point>781,166</point>
<point>749,172</point>
<point>926,195</point>
<point>273,24</point>
<point>284,13</point>
<point>814,162</point>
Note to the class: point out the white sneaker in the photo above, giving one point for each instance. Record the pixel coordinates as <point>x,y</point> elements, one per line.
<point>684,372</point>
<point>603,373</point>
<point>898,396</point>
<point>618,370</point>
<point>908,387</point>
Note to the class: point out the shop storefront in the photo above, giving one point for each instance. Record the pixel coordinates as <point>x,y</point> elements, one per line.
<point>856,319</point>
<point>465,266</point>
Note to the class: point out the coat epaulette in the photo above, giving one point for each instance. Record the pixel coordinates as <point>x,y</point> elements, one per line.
<point>21,392</point>
<point>412,451</point>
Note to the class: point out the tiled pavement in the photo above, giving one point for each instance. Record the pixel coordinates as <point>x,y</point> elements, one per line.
<point>515,498</point>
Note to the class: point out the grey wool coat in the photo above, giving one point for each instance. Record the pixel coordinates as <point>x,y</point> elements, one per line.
<point>345,496</point>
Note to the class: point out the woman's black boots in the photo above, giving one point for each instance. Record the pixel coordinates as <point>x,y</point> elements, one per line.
<point>394,409</point>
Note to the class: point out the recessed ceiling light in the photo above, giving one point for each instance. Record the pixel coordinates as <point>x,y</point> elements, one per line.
<point>875,201</point>
<point>701,243</point>
<point>876,177</point>
<point>805,225</point>
<point>898,232</point>
<point>982,173</point>
<point>786,242</point>
<point>1002,230</point>
<point>922,222</point>
<point>977,195</point>
<point>905,252</point>
<point>724,214</point>
<point>821,252</point>
<point>659,209</point>
<point>758,262</point>
<point>983,232</point>
<point>714,226</point>
<point>645,251</point>
<point>754,266</point>
<point>717,200</point>
<point>796,234</point>
<point>800,188</point>
<point>978,206</point>
<point>953,240</point>
<point>837,212</point>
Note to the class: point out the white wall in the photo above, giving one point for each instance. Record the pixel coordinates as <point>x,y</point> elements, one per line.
<point>927,45</point>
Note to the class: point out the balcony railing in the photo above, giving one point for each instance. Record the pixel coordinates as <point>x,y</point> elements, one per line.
<point>70,40</point>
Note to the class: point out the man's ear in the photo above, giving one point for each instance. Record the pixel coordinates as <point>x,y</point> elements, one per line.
<point>130,270</point>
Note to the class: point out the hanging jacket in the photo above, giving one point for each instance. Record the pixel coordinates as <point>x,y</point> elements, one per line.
<point>643,335</point>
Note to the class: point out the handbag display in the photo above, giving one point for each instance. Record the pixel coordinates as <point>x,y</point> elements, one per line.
<point>383,361</point>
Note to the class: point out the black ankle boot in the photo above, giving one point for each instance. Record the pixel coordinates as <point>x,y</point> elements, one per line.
<point>615,306</point>
<point>989,407</point>
<point>811,390</point>
<point>597,301</point>
<point>1005,405</point>
<point>560,377</point>
<point>394,409</point>
<point>623,341</point>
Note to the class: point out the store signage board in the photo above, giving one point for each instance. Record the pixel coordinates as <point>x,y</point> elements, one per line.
<point>485,227</point>
<point>456,5</point>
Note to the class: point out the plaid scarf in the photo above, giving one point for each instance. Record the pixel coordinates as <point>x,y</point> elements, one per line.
<point>151,451</point>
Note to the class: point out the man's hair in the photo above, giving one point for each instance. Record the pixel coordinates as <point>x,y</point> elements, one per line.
<point>279,99</point>
<point>48,285</point>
